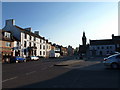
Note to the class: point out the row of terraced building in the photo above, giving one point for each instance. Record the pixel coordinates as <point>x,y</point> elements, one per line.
<point>17,41</point>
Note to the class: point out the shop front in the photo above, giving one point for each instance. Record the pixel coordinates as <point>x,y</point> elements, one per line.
<point>6,53</point>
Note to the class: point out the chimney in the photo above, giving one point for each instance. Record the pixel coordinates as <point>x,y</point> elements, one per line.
<point>112,36</point>
<point>36,32</point>
<point>28,29</point>
<point>47,40</point>
<point>10,22</point>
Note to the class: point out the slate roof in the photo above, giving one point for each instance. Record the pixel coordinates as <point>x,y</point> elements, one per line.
<point>102,42</point>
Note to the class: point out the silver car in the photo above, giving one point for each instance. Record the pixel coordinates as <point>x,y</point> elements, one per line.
<point>112,61</point>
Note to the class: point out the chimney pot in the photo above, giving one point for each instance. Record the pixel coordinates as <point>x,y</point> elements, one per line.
<point>10,22</point>
<point>28,29</point>
<point>36,32</point>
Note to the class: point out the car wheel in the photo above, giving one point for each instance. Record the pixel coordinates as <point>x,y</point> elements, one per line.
<point>114,65</point>
<point>16,61</point>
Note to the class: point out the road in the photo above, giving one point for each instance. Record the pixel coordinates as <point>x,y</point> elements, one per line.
<point>50,74</point>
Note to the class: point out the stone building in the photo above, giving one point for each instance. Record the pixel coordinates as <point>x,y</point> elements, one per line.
<point>104,47</point>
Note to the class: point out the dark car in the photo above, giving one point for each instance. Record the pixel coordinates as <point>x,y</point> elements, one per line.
<point>17,59</point>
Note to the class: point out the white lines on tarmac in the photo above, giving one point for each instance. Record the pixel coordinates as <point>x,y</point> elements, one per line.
<point>9,79</point>
<point>30,72</point>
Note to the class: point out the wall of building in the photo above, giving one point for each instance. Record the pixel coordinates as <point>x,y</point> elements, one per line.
<point>101,50</point>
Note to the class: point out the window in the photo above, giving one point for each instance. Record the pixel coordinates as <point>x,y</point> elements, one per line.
<point>40,47</point>
<point>43,52</point>
<point>24,51</point>
<point>35,52</point>
<point>107,52</point>
<point>17,43</point>
<point>34,38</point>
<point>43,41</point>
<point>110,47</point>
<point>7,34</point>
<point>25,36</point>
<point>107,47</point>
<point>98,47</point>
<point>44,47</point>
<point>25,43</point>
<point>100,52</point>
<point>40,53</point>
<point>30,37</point>
<point>34,45</point>
<point>102,47</point>
<point>29,44</point>
<point>40,41</point>
<point>8,44</point>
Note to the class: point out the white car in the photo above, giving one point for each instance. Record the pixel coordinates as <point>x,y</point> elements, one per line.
<point>34,58</point>
<point>112,61</point>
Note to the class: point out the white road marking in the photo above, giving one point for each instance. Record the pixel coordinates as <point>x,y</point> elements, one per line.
<point>9,79</point>
<point>30,72</point>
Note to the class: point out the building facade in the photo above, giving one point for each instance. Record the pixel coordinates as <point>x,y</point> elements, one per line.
<point>31,44</point>
<point>6,45</point>
<point>105,46</point>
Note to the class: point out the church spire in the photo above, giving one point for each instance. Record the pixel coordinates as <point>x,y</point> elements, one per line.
<point>84,39</point>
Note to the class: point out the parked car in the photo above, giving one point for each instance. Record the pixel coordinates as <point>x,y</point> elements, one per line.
<point>109,54</point>
<point>30,58</point>
<point>112,61</point>
<point>40,56</point>
<point>17,59</point>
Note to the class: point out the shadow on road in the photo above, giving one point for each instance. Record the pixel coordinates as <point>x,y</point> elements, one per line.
<point>82,78</point>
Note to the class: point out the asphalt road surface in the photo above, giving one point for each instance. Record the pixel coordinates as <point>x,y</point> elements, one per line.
<point>44,74</point>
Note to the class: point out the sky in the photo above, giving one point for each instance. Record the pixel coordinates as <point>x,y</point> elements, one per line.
<point>63,23</point>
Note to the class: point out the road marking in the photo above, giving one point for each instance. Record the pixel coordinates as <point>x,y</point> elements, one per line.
<point>9,79</point>
<point>30,72</point>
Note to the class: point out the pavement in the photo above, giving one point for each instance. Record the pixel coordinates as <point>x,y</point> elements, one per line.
<point>69,62</point>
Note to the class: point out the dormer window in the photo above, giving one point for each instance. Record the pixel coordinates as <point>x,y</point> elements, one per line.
<point>7,34</point>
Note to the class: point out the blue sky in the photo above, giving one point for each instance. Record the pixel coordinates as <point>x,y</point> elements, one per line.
<point>64,22</point>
